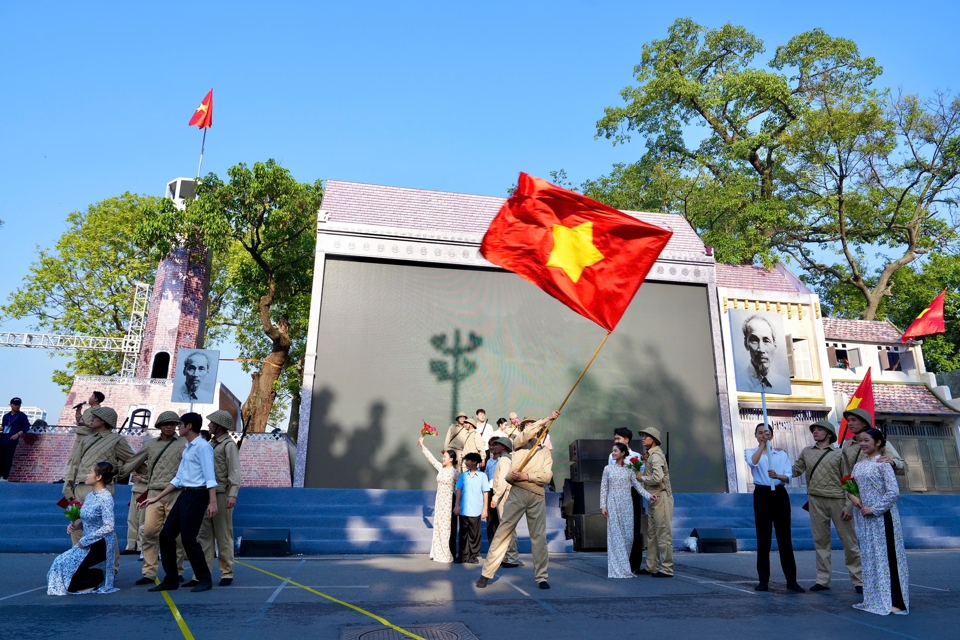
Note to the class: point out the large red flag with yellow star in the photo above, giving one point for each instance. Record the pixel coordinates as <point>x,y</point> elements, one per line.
<point>862,399</point>
<point>589,256</point>
<point>929,321</point>
<point>203,116</point>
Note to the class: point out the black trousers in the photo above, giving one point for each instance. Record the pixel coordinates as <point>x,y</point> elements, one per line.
<point>85,577</point>
<point>469,538</point>
<point>184,520</point>
<point>6,459</point>
<point>896,593</point>
<point>636,551</point>
<point>493,520</point>
<point>771,509</point>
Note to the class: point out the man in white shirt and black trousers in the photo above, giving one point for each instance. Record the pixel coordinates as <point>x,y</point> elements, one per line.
<point>198,481</point>
<point>772,470</point>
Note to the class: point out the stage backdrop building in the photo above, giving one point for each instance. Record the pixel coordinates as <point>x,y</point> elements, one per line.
<point>409,323</point>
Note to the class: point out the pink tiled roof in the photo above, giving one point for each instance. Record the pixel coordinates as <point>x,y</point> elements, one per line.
<point>424,210</point>
<point>860,330</point>
<point>738,276</point>
<point>900,398</point>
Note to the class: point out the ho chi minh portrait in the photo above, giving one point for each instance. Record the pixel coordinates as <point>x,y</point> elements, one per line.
<point>196,376</point>
<point>760,352</point>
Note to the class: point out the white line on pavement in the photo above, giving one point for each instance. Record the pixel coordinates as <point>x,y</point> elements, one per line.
<point>516,587</point>
<point>22,593</point>
<point>912,584</point>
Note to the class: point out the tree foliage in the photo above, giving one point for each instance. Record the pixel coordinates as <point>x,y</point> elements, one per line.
<point>264,222</point>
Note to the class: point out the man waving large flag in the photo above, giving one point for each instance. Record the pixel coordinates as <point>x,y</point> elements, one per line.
<point>589,256</point>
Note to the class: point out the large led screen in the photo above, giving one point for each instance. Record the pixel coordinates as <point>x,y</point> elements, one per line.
<point>403,343</point>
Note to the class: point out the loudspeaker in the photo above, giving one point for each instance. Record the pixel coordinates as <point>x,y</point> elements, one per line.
<point>580,498</point>
<point>587,470</point>
<point>265,543</point>
<point>589,533</point>
<point>715,540</point>
<point>581,450</point>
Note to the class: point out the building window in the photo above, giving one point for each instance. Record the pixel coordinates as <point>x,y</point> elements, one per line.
<point>140,419</point>
<point>843,358</point>
<point>801,364</point>
<point>161,365</point>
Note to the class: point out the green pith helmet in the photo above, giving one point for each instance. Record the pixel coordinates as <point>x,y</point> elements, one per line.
<point>653,433</point>
<point>166,417</point>
<point>224,419</point>
<point>828,427</point>
<point>863,414</point>
<point>106,414</point>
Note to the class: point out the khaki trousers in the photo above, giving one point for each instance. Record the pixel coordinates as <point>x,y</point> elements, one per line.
<point>221,529</point>
<point>513,554</point>
<point>520,502</point>
<point>80,493</point>
<point>135,521</point>
<point>822,512</point>
<point>154,517</point>
<point>660,534</point>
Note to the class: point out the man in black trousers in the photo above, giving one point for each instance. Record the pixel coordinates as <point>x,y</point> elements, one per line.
<point>198,481</point>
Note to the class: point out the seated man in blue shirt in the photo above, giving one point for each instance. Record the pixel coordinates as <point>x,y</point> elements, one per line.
<point>471,506</point>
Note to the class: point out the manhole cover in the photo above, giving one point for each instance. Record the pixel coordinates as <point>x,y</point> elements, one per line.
<point>437,631</point>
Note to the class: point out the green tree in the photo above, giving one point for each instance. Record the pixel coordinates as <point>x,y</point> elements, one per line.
<point>85,284</point>
<point>265,222</point>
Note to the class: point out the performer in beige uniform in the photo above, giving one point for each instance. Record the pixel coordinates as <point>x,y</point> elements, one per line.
<point>85,419</point>
<point>135,517</point>
<point>464,438</point>
<point>501,490</point>
<point>161,459</point>
<point>526,498</point>
<point>859,420</point>
<point>656,478</point>
<point>226,462</point>
<point>826,500</point>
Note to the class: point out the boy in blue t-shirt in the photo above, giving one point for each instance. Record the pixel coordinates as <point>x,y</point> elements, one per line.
<point>471,506</point>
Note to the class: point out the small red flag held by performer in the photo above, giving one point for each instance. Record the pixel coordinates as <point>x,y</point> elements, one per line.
<point>203,116</point>
<point>862,399</point>
<point>929,321</point>
<point>589,256</point>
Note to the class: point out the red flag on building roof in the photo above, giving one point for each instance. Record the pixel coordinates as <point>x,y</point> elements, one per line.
<point>589,256</point>
<point>203,116</point>
<point>862,399</point>
<point>929,321</point>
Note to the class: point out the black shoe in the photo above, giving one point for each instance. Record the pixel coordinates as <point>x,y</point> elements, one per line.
<point>544,585</point>
<point>819,587</point>
<point>129,552</point>
<point>474,561</point>
<point>482,582</point>
<point>164,586</point>
<point>642,572</point>
<point>509,565</point>
<point>457,561</point>
<point>206,585</point>
<point>761,587</point>
<point>225,582</point>
<point>193,582</point>
<point>661,574</point>
<point>146,580</point>
<point>859,589</point>
<point>796,588</point>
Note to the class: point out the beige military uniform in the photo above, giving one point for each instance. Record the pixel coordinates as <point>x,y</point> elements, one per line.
<point>135,517</point>
<point>826,500</point>
<point>656,478</point>
<point>525,498</point>
<point>161,462</point>
<point>226,462</point>
<point>463,440</point>
<point>852,454</point>
<point>501,491</point>
<point>83,429</point>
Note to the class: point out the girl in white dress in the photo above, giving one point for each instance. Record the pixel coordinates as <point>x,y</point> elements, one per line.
<point>443,506</point>
<point>617,506</point>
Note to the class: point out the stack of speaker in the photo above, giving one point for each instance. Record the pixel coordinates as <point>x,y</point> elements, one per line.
<point>580,501</point>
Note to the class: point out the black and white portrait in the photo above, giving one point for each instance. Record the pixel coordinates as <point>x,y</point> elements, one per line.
<point>760,352</point>
<point>196,376</point>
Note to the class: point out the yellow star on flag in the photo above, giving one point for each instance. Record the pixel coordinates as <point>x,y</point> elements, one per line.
<point>573,249</point>
<point>854,403</point>
<point>202,107</point>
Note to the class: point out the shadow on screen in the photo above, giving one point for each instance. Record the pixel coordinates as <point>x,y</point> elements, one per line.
<point>461,366</point>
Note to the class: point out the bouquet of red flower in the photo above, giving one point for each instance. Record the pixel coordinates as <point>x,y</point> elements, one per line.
<point>72,512</point>
<point>634,463</point>
<point>850,485</point>
<point>428,430</point>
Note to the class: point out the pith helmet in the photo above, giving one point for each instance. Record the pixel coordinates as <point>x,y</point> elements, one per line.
<point>505,442</point>
<point>863,414</point>
<point>108,415</point>
<point>224,419</point>
<point>827,426</point>
<point>652,432</point>
<point>471,422</point>
<point>167,416</point>
<point>462,414</point>
<point>526,421</point>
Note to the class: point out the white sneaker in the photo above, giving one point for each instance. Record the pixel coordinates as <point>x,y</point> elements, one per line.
<point>3,479</point>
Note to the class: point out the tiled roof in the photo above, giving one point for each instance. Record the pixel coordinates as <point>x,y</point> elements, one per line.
<point>405,208</point>
<point>900,398</point>
<point>860,330</point>
<point>738,276</point>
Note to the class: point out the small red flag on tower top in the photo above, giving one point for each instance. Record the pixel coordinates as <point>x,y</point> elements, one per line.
<point>929,321</point>
<point>203,116</point>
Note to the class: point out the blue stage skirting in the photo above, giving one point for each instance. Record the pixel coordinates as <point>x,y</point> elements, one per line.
<point>358,521</point>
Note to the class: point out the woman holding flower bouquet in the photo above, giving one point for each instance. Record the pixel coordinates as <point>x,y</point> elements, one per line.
<point>617,506</point>
<point>82,568</point>
<point>443,506</point>
<point>873,491</point>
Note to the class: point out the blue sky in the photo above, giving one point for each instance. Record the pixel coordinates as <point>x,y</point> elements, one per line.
<point>444,95</point>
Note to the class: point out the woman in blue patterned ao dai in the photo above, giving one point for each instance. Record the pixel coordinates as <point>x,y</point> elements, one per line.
<point>83,569</point>
<point>885,574</point>
<point>617,506</point>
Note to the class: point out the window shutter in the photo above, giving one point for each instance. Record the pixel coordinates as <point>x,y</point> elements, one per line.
<point>853,355</point>
<point>884,361</point>
<point>793,369</point>
<point>907,361</point>
<point>832,356</point>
